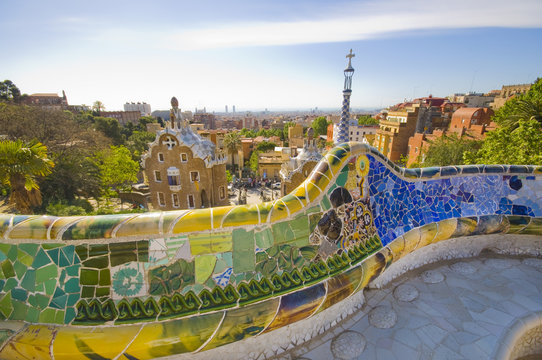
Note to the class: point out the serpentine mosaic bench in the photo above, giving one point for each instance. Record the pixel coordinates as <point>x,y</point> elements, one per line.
<point>158,284</point>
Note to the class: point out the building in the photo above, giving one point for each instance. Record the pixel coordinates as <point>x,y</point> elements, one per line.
<point>208,120</point>
<point>363,133</point>
<point>471,122</point>
<point>471,119</point>
<point>270,163</point>
<point>395,130</point>
<point>47,101</point>
<point>295,136</point>
<point>508,92</point>
<point>183,170</point>
<point>143,108</point>
<point>124,117</point>
<point>296,169</point>
<point>472,99</point>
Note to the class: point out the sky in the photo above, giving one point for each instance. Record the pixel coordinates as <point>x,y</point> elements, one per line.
<point>274,54</point>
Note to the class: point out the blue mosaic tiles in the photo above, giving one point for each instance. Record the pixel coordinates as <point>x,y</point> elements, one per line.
<point>401,205</point>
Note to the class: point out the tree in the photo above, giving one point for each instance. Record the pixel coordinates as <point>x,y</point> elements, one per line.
<point>20,166</point>
<point>98,106</point>
<point>367,120</point>
<point>448,150</point>
<point>247,133</point>
<point>138,143</point>
<point>232,142</point>
<point>111,128</point>
<point>265,146</point>
<point>525,106</point>
<point>320,126</point>
<point>520,146</point>
<point>118,170</point>
<point>254,162</point>
<point>8,91</point>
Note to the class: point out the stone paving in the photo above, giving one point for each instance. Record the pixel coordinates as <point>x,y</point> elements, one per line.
<point>458,309</point>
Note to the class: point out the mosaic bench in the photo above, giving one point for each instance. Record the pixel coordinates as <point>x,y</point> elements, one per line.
<point>164,283</point>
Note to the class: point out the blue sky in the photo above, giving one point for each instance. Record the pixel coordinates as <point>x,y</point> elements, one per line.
<point>279,54</point>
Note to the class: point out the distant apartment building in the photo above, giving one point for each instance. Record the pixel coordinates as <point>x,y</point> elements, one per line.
<point>394,131</point>
<point>143,108</point>
<point>208,120</point>
<point>508,92</point>
<point>471,122</point>
<point>473,100</point>
<point>295,136</point>
<point>47,101</point>
<point>124,117</point>
<point>270,163</point>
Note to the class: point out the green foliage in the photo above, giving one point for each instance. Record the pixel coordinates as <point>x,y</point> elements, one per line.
<point>247,133</point>
<point>448,150</point>
<point>117,168</point>
<point>254,161</point>
<point>111,128</point>
<point>138,143</point>
<point>319,126</point>
<point>525,106</point>
<point>265,146</point>
<point>521,146</point>
<point>20,166</point>
<point>367,120</point>
<point>232,143</point>
<point>229,177</point>
<point>9,91</point>
<point>98,106</point>
<point>77,207</point>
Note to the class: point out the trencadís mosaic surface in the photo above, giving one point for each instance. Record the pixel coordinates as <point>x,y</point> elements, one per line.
<point>150,285</point>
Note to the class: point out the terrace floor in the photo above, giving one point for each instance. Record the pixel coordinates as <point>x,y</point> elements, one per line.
<point>458,309</point>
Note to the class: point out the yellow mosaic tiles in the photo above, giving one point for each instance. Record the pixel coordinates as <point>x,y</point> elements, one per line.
<point>92,343</point>
<point>141,225</point>
<point>33,342</point>
<point>199,220</point>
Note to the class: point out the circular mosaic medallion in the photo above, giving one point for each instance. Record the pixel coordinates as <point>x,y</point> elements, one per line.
<point>406,292</point>
<point>500,263</point>
<point>463,268</point>
<point>348,345</point>
<point>382,317</point>
<point>432,277</point>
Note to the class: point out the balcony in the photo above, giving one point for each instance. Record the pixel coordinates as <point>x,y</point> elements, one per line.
<point>175,187</point>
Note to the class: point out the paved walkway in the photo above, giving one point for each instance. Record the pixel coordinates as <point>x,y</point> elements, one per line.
<point>461,309</point>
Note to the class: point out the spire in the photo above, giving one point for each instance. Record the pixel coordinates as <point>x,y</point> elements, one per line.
<point>343,135</point>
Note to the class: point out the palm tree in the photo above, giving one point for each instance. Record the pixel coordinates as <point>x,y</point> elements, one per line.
<point>232,142</point>
<point>20,165</point>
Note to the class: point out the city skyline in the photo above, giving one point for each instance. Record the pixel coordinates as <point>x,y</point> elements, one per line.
<point>274,55</point>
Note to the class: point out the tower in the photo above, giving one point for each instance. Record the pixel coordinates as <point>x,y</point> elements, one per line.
<point>345,113</point>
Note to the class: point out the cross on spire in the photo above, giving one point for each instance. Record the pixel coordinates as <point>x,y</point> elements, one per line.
<point>170,143</point>
<point>350,56</point>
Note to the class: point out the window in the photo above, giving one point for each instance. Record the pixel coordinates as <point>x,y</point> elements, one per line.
<point>194,176</point>
<point>191,204</point>
<point>157,176</point>
<point>175,200</point>
<point>161,199</point>
<point>173,176</point>
<point>184,157</point>
<point>416,149</point>
<point>160,157</point>
<point>222,193</point>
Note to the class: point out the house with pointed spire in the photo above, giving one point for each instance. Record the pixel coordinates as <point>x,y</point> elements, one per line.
<point>183,170</point>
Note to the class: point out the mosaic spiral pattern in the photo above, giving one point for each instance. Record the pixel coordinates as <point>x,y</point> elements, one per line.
<point>223,274</point>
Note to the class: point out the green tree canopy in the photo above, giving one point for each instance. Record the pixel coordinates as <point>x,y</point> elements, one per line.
<point>265,146</point>
<point>118,170</point>
<point>247,133</point>
<point>20,165</point>
<point>232,142</point>
<point>367,120</point>
<point>9,91</point>
<point>111,128</point>
<point>521,146</point>
<point>448,150</point>
<point>525,106</point>
<point>320,126</point>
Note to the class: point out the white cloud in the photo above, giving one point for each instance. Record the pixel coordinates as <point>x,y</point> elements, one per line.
<point>365,21</point>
